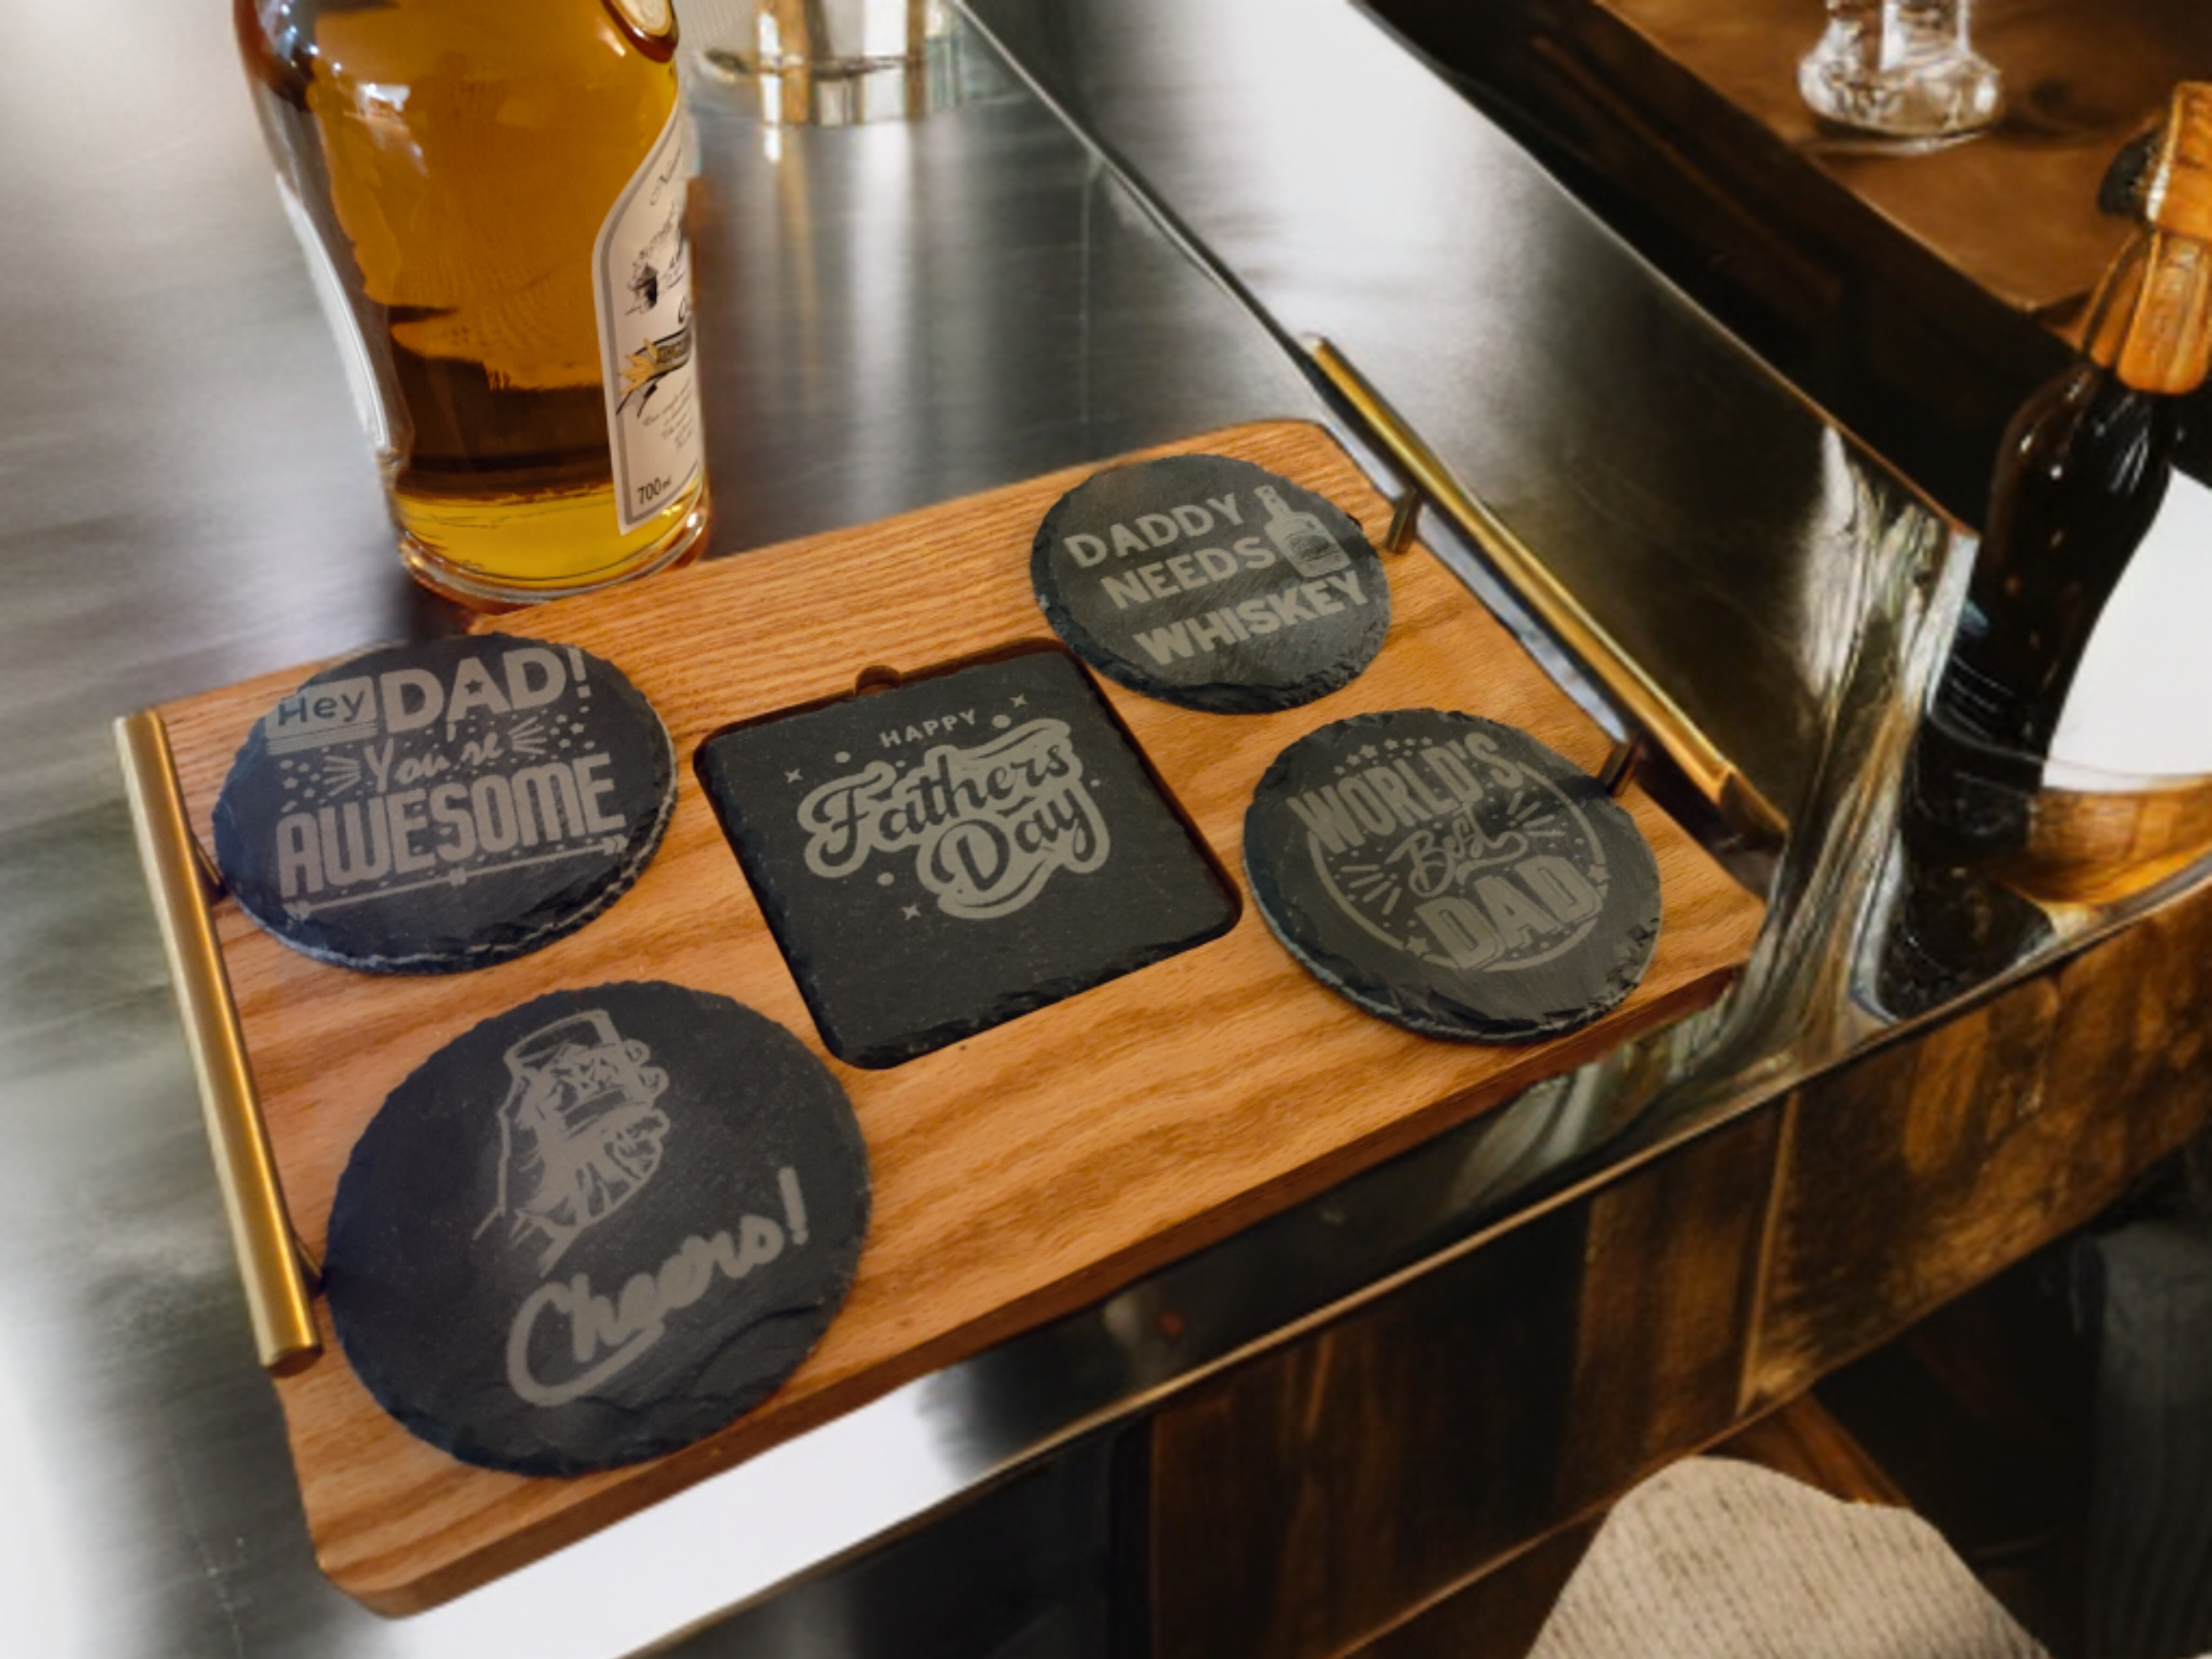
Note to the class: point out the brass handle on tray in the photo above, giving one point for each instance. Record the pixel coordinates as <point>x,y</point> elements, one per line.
<point>269,1254</point>
<point>1640,697</point>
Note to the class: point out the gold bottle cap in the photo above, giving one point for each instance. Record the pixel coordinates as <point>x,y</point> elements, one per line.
<point>2178,195</point>
<point>2152,323</point>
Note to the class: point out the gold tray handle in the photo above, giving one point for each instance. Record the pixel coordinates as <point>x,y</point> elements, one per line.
<point>1632,691</point>
<point>270,1257</point>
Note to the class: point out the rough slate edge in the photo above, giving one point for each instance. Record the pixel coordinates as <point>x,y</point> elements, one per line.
<point>767,896</point>
<point>492,953</point>
<point>943,1037</point>
<point>1562,773</point>
<point>1205,699</point>
<point>845,1128</point>
<point>1397,1016</point>
<point>1269,899</point>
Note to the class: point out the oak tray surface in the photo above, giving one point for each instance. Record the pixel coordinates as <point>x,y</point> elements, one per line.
<point>1018,1174</point>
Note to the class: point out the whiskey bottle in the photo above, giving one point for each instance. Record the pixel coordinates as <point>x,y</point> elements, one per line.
<point>1306,546</point>
<point>2061,711</point>
<point>490,194</point>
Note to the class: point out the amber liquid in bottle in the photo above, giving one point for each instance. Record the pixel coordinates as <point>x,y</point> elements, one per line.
<point>455,161</point>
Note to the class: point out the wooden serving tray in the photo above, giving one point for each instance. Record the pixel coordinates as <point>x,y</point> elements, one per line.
<point>1019,1174</point>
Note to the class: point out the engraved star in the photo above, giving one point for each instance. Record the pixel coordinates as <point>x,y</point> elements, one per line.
<point>1021,701</point>
<point>1368,753</point>
<point>911,912</point>
<point>791,777</point>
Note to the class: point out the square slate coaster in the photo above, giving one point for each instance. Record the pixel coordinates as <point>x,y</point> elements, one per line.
<point>942,857</point>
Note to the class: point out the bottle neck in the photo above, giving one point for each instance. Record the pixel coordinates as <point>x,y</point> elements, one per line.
<point>2151,323</point>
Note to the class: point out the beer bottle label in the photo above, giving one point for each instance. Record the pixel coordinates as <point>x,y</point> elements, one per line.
<point>641,281</point>
<point>2141,703</point>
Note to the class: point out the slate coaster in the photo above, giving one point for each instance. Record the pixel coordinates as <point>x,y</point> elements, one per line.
<point>428,808</point>
<point>1211,583</point>
<point>596,1228</point>
<point>1452,875</point>
<point>942,857</point>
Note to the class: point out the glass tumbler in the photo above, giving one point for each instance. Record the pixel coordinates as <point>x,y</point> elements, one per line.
<point>1904,69</point>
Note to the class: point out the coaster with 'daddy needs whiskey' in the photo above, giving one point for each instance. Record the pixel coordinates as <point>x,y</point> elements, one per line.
<point>1211,583</point>
<point>940,857</point>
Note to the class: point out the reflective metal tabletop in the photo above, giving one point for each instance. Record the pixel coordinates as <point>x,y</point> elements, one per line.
<point>896,314</point>
<point>1714,526</point>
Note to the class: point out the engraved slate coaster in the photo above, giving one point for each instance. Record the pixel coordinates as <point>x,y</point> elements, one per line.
<point>596,1228</point>
<point>1211,583</point>
<point>942,857</point>
<point>1452,875</point>
<point>434,807</point>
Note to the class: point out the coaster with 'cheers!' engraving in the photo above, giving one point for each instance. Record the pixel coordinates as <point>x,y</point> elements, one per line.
<point>942,857</point>
<point>1211,583</point>
<point>1452,875</point>
<point>433,807</point>
<point>596,1228</point>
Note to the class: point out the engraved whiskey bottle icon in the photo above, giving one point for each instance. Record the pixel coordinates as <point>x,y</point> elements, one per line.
<point>1298,537</point>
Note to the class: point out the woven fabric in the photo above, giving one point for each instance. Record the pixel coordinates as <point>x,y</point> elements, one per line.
<point>1716,1560</point>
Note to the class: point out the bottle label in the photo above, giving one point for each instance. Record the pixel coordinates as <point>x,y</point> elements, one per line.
<point>641,280</point>
<point>2141,704</point>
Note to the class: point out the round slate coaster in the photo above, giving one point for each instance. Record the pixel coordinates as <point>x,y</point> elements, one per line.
<point>1211,583</point>
<point>596,1228</point>
<point>428,808</point>
<point>1452,875</point>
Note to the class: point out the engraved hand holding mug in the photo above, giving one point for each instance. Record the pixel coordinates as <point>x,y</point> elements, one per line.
<point>579,1133</point>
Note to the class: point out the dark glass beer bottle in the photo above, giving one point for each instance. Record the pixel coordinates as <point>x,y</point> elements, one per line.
<point>2054,693</point>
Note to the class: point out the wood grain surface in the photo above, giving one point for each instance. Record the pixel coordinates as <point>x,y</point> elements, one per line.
<point>1306,1502</point>
<point>1019,1174</point>
<point>1915,1173</point>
